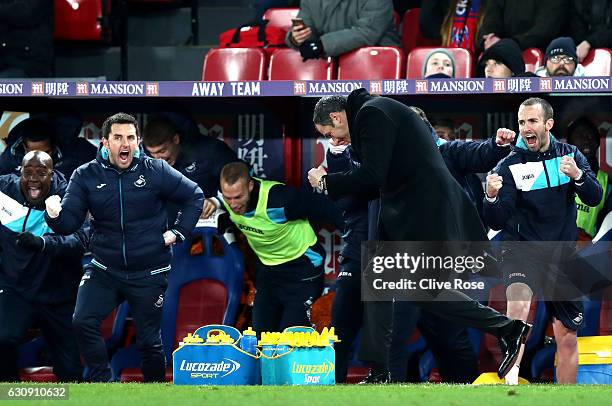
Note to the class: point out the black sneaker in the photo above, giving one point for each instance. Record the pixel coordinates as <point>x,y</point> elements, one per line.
<point>511,345</point>
<point>377,376</point>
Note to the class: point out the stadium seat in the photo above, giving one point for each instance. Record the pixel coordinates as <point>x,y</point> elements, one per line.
<point>371,63</point>
<point>411,33</point>
<point>534,58</point>
<point>281,17</point>
<point>286,64</point>
<point>598,62</point>
<point>490,353</point>
<point>416,57</point>
<point>204,287</point>
<point>81,20</point>
<point>234,64</point>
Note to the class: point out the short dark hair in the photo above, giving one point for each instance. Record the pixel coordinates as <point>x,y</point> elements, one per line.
<point>548,110</point>
<point>234,171</point>
<point>157,131</point>
<point>119,118</point>
<point>325,106</point>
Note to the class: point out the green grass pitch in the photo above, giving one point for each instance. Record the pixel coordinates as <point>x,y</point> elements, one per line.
<point>374,395</point>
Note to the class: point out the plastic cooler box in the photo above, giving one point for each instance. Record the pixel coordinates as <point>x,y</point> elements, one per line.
<point>215,364</point>
<point>595,360</point>
<point>299,366</point>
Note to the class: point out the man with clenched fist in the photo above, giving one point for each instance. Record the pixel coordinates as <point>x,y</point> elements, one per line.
<point>530,196</point>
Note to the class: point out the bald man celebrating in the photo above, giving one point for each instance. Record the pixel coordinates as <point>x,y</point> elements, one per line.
<point>39,270</point>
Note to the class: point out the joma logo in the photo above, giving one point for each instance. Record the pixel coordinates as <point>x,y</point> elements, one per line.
<point>530,176</point>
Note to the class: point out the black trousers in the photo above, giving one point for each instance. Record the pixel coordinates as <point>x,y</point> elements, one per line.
<point>285,294</point>
<point>449,343</point>
<point>55,320</point>
<point>450,305</point>
<point>347,313</point>
<point>99,293</point>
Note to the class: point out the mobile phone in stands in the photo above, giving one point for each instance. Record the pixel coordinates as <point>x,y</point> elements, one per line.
<point>297,22</point>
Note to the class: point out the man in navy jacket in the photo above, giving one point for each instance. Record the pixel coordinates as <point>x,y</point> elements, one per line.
<point>126,194</point>
<point>39,270</point>
<point>531,197</point>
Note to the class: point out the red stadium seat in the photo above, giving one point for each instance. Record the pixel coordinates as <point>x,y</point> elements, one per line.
<point>81,20</point>
<point>286,64</point>
<point>280,17</point>
<point>411,33</point>
<point>416,57</point>
<point>534,58</point>
<point>598,62</point>
<point>233,64</point>
<point>371,63</point>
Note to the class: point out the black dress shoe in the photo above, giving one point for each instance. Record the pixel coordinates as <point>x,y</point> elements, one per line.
<point>511,345</point>
<point>377,376</point>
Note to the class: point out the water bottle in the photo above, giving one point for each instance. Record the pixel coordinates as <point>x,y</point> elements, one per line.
<point>248,342</point>
<point>282,346</point>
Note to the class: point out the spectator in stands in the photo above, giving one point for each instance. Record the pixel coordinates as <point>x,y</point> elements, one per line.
<point>332,28</point>
<point>561,59</point>
<point>439,63</point>
<point>375,126</point>
<point>39,270</point>
<point>126,193</point>
<point>591,25</point>
<point>274,219</point>
<point>534,24</point>
<point>455,22</point>
<point>504,59</point>
<point>26,38</point>
<point>540,211</point>
<point>57,135</point>
<point>444,128</point>
<point>584,135</point>
<point>199,158</point>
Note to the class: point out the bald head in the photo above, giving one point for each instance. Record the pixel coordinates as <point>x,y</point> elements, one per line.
<point>36,175</point>
<point>40,157</point>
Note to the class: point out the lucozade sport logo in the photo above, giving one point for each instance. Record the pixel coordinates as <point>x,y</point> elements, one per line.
<point>210,369</point>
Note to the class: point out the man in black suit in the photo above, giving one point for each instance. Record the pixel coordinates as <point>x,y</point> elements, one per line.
<point>420,201</point>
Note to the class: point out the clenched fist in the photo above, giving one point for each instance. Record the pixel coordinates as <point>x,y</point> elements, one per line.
<point>568,166</point>
<point>504,136</point>
<point>53,205</point>
<point>494,183</point>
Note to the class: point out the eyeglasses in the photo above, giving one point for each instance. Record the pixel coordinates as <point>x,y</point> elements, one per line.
<point>561,58</point>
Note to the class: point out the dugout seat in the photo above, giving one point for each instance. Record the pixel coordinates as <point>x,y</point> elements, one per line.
<point>235,64</point>
<point>204,287</point>
<point>286,64</point>
<point>416,58</point>
<point>371,63</point>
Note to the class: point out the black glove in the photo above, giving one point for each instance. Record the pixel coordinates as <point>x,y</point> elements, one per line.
<point>311,50</point>
<point>31,242</point>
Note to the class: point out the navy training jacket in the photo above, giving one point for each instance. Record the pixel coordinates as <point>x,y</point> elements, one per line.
<point>129,211</point>
<point>536,201</point>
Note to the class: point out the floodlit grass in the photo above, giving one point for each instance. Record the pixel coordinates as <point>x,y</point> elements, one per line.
<point>375,395</point>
